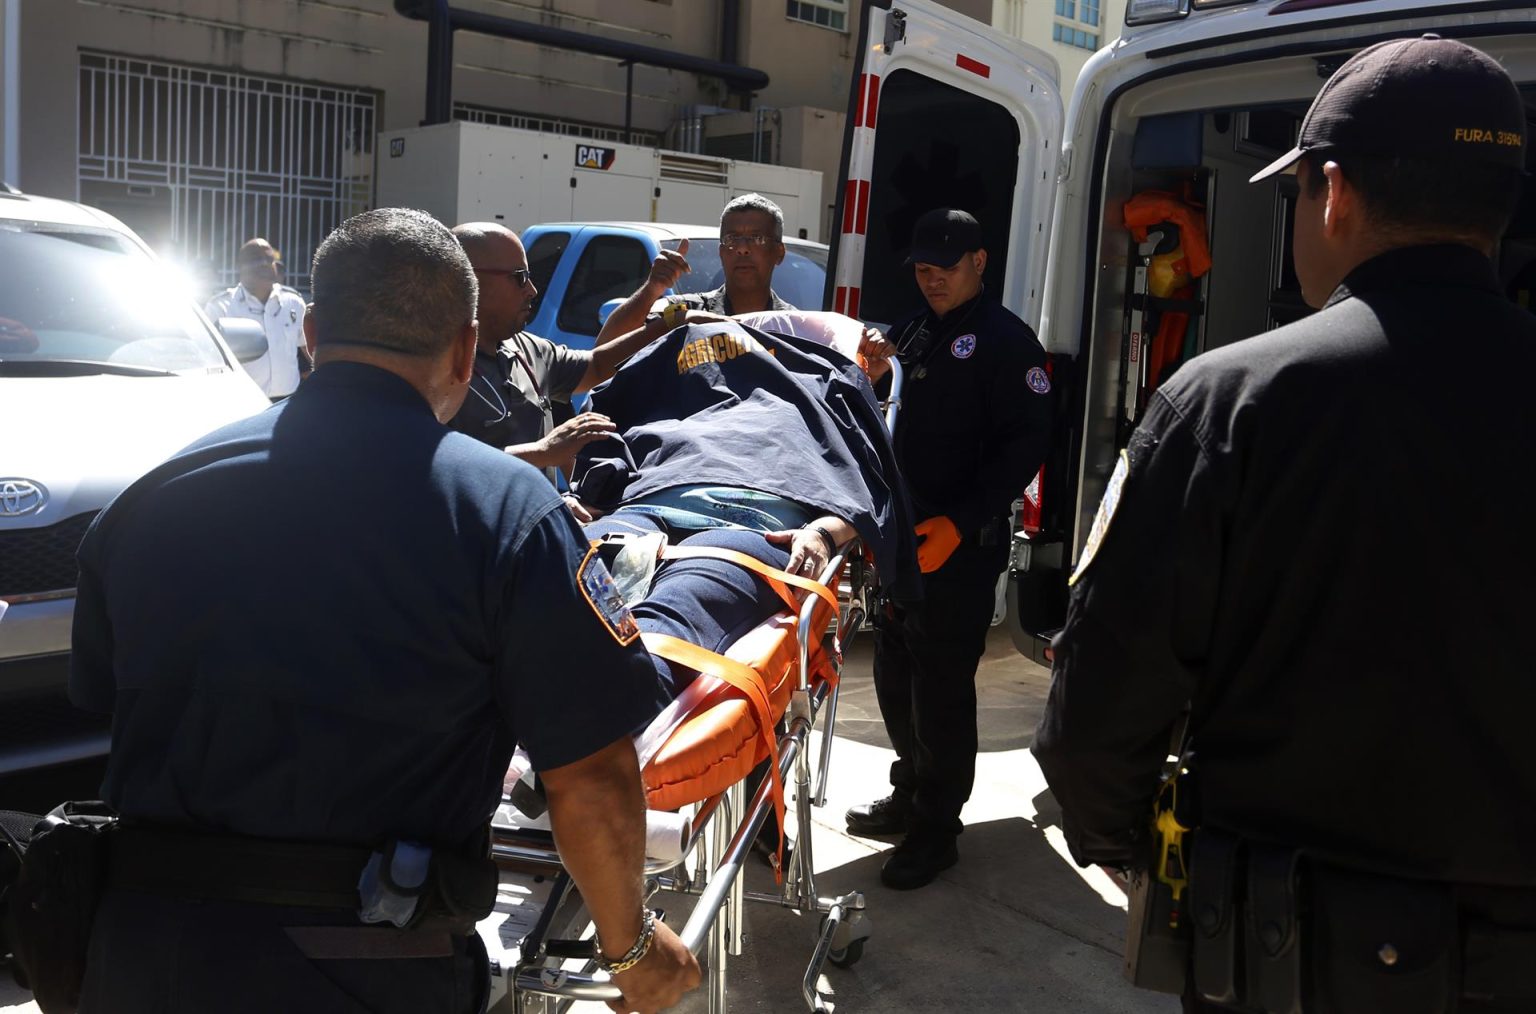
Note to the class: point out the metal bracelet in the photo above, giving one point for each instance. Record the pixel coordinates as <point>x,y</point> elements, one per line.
<point>635,954</point>
<point>826,537</point>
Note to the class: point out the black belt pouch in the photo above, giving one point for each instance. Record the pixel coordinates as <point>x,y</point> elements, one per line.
<point>1272,962</point>
<point>1382,944</point>
<point>1214,910</point>
<point>50,907</point>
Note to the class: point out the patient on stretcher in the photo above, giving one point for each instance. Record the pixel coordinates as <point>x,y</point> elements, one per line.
<point>735,438</point>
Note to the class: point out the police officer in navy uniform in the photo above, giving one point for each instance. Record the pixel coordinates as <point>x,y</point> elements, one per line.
<point>450,609</point>
<point>1320,541</point>
<point>975,427</point>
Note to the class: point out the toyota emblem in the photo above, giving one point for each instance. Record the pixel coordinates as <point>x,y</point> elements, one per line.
<point>21,496</point>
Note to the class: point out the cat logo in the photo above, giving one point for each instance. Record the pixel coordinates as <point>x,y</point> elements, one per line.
<point>592,157</point>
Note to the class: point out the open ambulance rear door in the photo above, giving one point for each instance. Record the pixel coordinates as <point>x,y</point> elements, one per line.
<point>945,111</point>
<point>948,112</point>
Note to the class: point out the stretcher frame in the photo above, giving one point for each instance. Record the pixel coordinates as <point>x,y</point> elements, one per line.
<point>722,832</point>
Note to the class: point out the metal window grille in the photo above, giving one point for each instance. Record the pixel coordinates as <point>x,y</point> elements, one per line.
<point>233,155</point>
<point>471,113</point>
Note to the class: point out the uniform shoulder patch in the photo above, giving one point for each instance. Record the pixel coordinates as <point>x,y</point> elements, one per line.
<point>1038,380</point>
<point>963,347</point>
<point>602,594</point>
<point>1105,515</point>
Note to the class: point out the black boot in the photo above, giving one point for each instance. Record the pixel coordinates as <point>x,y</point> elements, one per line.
<point>891,815</point>
<point>922,855</point>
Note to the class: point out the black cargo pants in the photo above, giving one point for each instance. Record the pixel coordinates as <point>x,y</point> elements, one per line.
<point>926,655</point>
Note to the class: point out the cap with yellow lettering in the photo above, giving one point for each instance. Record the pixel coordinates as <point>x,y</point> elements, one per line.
<point>1427,98</point>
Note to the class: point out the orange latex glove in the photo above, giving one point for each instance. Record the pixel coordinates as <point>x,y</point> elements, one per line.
<point>940,539</point>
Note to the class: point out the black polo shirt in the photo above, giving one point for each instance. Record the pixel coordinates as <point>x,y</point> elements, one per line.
<point>1323,537</point>
<point>975,420</point>
<point>372,683</point>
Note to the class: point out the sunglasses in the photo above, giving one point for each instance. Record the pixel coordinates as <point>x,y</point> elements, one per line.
<point>519,275</point>
<point>738,240</point>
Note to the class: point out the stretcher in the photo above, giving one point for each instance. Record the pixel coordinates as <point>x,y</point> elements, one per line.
<point>761,699</point>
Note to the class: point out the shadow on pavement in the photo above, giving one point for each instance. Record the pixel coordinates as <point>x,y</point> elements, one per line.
<point>1011,922</point>
<point>1010,695</point>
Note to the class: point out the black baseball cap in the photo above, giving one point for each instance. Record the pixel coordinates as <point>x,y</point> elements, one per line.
<point>1427,98</point>
<point>942,236</point>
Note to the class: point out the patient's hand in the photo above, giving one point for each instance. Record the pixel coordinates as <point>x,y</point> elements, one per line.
<point>580,511</point>
<point>876,351</point>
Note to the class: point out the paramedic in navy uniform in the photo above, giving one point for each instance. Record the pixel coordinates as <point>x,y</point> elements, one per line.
<point>974,429</point>
<point>519,376</point>
<point>450,609</point>
<point>1272,552</point>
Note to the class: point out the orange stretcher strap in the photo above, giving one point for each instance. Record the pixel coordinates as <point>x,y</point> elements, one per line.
<point>744,678</point>
<point>777,579</point>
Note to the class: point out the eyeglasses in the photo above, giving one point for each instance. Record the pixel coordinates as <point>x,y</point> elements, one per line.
<point>521,276</point>
<point>739,240</point>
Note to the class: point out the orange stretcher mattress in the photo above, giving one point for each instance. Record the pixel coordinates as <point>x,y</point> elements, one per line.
<point>716,737</point>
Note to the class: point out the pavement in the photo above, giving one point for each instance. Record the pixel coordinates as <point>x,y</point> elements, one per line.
<point>1014,927</point>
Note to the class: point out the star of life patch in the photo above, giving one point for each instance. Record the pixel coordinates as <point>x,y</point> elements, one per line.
<point>1101,520</point>
<point>1038,380</point>
<point>603,595</point>
<point>963,347</point>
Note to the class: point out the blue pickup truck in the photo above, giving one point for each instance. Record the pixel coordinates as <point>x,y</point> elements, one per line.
<point>579,266</point>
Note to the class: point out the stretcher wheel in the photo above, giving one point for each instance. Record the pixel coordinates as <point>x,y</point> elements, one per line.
<point>848,939</point>
<point>848,956</point>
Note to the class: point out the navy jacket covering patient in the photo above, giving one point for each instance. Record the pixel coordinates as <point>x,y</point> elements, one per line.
<point>724,405</point>
<point>727,405</point>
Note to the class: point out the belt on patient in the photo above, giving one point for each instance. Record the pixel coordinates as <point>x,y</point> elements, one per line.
<point>747,680</point>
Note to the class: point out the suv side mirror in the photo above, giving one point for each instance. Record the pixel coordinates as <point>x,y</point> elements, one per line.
<point>245,337</point>
<point>606,310</point>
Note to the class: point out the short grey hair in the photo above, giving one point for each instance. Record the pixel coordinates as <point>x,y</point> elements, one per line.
<point>756,202</point>
<point>392,278</point>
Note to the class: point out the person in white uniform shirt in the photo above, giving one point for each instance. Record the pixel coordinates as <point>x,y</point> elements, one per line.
<point>279,309</point>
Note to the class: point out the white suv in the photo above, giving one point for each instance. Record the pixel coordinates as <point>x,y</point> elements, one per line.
<point>106,369</point>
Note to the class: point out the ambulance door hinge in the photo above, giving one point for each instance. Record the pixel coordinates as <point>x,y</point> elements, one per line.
<point>895,29</point>
<point>1064,164</point>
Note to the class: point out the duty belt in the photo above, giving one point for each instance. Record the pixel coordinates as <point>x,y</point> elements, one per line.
<point>185,863</point>
<point>196,865</point>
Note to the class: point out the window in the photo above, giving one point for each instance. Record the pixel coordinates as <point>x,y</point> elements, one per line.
<point>611,267</point>
<point>1090,13</point>
<point>1067,8</point>
<point>831,14</point>
<point>966,156</point>
<point>1074,36</point>
<point>543,257</point>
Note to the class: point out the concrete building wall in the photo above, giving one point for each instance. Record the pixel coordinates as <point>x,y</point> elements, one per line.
<point>367,45</point>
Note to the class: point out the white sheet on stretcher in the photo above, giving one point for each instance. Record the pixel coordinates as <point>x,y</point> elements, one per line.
<point>835,329</point>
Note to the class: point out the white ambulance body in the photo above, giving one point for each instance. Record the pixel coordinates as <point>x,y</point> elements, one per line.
<point>1192,100</point>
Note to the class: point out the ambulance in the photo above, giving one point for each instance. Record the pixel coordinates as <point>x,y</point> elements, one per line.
<point>1121,224</point>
